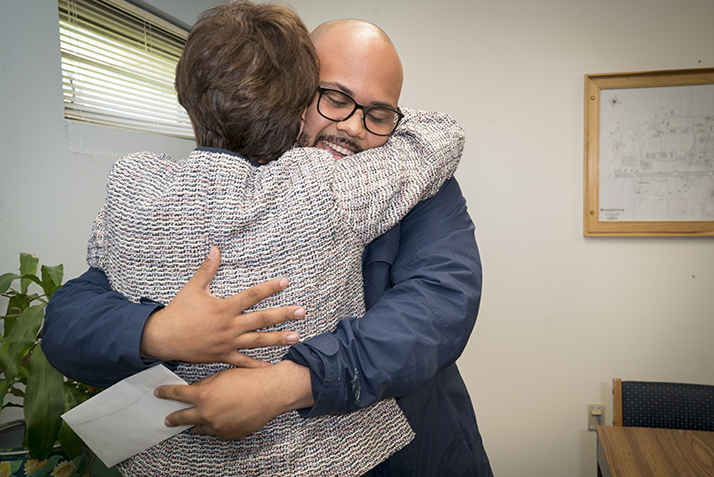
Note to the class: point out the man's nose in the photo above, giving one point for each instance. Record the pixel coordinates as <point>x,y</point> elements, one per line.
<point>353,126</point>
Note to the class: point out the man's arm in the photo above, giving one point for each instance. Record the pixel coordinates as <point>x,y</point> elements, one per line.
<point>94,335</point>
<point>418,327</point>
<point>236,402</point>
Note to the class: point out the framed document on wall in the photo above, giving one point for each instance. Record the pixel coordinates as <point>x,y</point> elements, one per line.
<point>649,153</point>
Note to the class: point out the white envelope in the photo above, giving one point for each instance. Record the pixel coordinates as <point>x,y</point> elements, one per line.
<point>127,418</point>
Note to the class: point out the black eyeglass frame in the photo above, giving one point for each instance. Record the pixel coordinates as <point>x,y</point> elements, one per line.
<point>365,110</point>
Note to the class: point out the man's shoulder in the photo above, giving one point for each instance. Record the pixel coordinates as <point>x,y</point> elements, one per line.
<point>440,224</point>
<point>446,210</point>
<point>447,201</point>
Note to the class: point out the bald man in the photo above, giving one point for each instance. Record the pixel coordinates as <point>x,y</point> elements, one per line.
<point>357,59</point>
<point>422,290</point>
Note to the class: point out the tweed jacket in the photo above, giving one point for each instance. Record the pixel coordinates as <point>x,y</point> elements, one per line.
<point>304,216</point>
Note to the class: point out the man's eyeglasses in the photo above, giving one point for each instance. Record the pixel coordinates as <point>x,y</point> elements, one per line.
<point>337,106</point>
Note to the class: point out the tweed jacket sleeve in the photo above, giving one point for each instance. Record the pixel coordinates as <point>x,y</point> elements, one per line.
<point>423,152</point>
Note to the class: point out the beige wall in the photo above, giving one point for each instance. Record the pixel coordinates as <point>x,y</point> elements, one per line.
<point>561,314</point>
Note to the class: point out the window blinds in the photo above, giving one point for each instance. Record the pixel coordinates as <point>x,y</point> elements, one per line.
<point>118,69</point>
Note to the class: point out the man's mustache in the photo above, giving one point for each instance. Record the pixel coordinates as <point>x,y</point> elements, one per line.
<point>340,141</point>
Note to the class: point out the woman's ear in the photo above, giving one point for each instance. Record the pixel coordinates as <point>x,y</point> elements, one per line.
<point>302,121</point>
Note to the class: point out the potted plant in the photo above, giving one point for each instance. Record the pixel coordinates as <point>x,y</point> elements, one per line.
<point>44,393</point>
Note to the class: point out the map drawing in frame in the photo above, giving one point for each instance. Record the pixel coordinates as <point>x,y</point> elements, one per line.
<point>649,153</point>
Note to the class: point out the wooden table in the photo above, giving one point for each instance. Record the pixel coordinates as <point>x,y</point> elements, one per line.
<point>646,452</point>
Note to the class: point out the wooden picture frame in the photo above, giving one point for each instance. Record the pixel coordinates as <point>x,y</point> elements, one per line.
<point>649,153</point>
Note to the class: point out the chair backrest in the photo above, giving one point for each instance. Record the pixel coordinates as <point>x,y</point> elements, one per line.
<point>663,405</point>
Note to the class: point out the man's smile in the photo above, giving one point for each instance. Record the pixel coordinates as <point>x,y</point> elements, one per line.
<point>338,150</point>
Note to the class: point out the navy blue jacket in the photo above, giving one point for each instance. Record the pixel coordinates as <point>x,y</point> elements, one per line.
<point>422,290</point>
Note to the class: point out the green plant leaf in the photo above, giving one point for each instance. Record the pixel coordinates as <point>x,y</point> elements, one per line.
<point>82,461</point>
<point>48,468</point>
<point>16,304</point>
<point>4,387</point>
<point>73,395</point>
<point>71,443</point>
<point>15,392</point>
<point>14,308</point>
<point>32,278</point>
<point>44,404</point>
<point>33,297</point>
<point>24,371</point>
<point>9,324</point>
<point>20,340</point>
<point>52,278</point>
<point>101,470</point>
<point>6,280</point>
<point>8,387</point>
<point>28,266</point>
<point>14,466</point>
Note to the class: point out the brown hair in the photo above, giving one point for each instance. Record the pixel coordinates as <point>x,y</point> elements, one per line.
<point>246,74</point>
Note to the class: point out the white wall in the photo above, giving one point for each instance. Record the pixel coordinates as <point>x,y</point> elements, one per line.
<point>561,314</point>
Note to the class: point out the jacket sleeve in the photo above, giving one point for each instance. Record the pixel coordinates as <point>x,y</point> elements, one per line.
<point>376,188</point>
<point>92,334</point>
<point>418,327</point>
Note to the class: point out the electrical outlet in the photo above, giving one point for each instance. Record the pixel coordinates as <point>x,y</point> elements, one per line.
<point>596,415</point>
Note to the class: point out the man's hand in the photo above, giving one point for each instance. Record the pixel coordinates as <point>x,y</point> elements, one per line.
<point>198,327</point>
<point>237,402</point>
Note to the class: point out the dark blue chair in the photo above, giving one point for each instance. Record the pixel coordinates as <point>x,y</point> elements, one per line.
<point>663,405</point>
